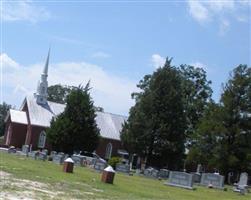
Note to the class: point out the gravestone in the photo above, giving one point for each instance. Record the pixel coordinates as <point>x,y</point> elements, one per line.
<point>199,169</point>
<point>163,173</point>
<point>124,168</point>
<point>58,158</point>
<point>33,154</point>
<point>196,177</point>
<point>25,149</point>
<point>216,180</point>
<point>151,172</point>
<point>45,151</point>
<point>12,150</point>
<point>42,156</point>
<point>242,185</point>
<point>78,160</point>
<point>99,165</point>
<point>180,179</point>
<point>53,153</point>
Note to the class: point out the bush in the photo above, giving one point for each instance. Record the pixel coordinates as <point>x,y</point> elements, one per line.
<point>113,161</point>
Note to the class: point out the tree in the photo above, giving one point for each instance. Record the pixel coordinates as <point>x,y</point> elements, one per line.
<point>75,129</point>
<point>155,127</point>
<point>4,108</point>
<point>58,93</point>
<point>223,135</point>
<point>196,96</point>
<point>235,145</point>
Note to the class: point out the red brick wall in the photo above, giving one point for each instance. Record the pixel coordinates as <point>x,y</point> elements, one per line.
<point>101,149</point>
<point>17,132</point>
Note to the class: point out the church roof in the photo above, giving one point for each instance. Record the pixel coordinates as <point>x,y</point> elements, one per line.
<point>17,116</point>
<point>109,124</point>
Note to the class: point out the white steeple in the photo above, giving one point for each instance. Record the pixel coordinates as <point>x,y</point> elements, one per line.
<point>41,93</point>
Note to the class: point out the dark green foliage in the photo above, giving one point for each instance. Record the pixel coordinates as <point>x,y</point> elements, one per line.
<point>223,137</point>
<point>113,161</point>
<point>75,128</point>
<point>196,96</point>
<point>4,108</point>
<point>155,127</point>
<point>167,110</point>
<point>58,93</point>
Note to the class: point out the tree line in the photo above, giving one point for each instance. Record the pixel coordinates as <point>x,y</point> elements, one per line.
<point>174,123</point>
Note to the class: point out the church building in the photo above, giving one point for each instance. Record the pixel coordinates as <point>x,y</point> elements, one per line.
<point>28,124</point>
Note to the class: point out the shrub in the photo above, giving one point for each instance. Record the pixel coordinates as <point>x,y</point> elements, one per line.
<point>113,161</point>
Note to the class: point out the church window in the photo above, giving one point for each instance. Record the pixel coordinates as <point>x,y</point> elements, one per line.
<point>108,152</point>
<point>41,140</point>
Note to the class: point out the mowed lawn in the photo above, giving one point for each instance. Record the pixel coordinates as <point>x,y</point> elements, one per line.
<point>24,178</point>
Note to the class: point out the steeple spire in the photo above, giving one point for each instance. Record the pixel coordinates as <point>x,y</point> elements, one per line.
<point>41,94</point>
<point>45,72</point>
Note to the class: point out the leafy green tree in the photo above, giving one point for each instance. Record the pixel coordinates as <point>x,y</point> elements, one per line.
<point>196,96</point>
<point>223,136</point>
<point>4,108</point>
<point>58,93</point>
<point>75,129</point>
<point>155,127</point>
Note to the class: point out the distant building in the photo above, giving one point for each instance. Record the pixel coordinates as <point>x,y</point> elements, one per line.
<point>28,124</point>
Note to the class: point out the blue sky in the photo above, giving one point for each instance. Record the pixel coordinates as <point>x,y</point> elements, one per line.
<point>115,43</point>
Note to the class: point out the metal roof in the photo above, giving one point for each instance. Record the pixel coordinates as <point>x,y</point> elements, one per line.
<point>109,124</point>
<point>18,116</point>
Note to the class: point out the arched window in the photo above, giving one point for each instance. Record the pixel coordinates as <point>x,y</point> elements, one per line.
<point>41,140</point>
<point>108,151</point>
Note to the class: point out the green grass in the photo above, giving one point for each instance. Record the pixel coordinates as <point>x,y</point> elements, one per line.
<point>85,183</point>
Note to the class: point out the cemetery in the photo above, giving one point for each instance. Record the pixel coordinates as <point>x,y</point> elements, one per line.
<point>90,182</point>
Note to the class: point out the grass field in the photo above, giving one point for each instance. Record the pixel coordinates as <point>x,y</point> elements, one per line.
<point>24,178</point>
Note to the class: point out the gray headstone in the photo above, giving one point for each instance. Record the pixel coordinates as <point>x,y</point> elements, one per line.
<point>42,156</point>
<point>180,179</point>
<point>33,154</point>
<point>12,150</point>
<point>53,153</point>
<point>78,160</point>
<point>216,180</point>
<point>243,179</point>
<point>45,151</point>
<point>58,158</point>
<point>163,173</point>
<point>151,172</point>
<point>25,149</point>
<point>99,166</point>
<point>196,177</point>
<point>199,169</point>
<point>123,168</point>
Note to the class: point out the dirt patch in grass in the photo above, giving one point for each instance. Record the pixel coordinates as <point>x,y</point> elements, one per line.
<point>12,188</point>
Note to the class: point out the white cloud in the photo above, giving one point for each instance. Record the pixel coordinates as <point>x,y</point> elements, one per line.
<point>101,54</point>
<point>24,10</point>
<point>198,11</point>
<point>224,26</point>
<point>221,10</point>
<point>157,60</point>
<point>109,91</point>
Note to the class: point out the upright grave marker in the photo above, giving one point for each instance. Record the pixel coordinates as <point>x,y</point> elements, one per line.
<point>214,180</point>
<point>99,165</point>
<point>124,168</point>
<point>180,179</point>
